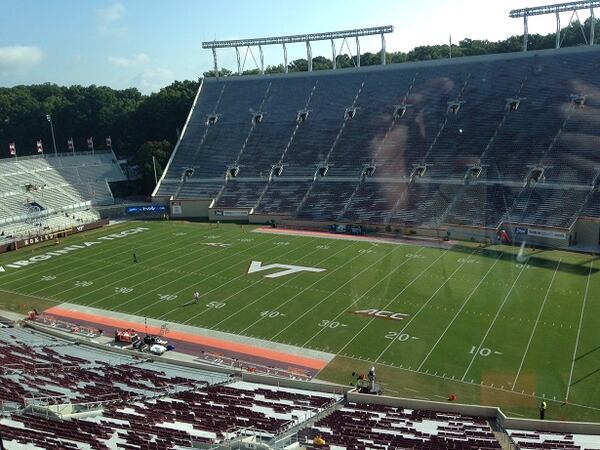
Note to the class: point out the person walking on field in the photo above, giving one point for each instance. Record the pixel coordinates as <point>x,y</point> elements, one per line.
<point>196,297</point>
<point>543,407</point>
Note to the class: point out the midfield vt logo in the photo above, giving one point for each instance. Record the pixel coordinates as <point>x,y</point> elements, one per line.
<point>288,269</point>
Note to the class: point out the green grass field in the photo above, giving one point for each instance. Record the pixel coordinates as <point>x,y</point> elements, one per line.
<point>477,322</point>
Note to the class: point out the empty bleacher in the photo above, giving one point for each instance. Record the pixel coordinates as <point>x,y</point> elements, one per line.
<point>415,133</point>
<point>39,190</point>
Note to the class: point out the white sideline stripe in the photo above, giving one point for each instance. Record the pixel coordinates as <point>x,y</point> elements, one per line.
<point>338,268</point>
<point>537,320</point>
<point>458,313</point>
<point>493,322</point>
<point>179,278</point>
<point>289,280</point>
<point>66,261</point>
<point>159,255</point>
<point>242,275</point>
<point>186,255</point>
<point>377,261</point>
<point>391,301</point>
<point>585,296</point>
<point>414,316</point>
<point>92,261</point>
<point>363,294</point>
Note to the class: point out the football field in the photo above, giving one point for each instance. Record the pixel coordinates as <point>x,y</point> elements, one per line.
<point>469,320</point>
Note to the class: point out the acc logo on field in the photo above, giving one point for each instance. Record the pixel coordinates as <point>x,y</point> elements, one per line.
<point>381,314</point>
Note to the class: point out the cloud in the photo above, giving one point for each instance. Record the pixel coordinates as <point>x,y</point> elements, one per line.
<point>135,60</point>
<point>19,57</point>
<point>152,80</point>
<point>109,18</point>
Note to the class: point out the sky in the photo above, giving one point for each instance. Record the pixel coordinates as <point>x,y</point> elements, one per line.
<point>147,44</point>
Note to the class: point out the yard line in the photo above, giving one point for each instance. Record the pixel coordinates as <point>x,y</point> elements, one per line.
<point>337,289</point>
<point>160,254</point>
<point>493,322</point>
<point>338,268</point>
<point>458,313</point>
<point>92,261</point>
<point>537,320</point>
<point>187,255</point>
<point>281,285</point>
<point>243,274</point>
<point>391,301</point>
<point>446,280</point>
<point>67,261</point>
<point>587,286</point>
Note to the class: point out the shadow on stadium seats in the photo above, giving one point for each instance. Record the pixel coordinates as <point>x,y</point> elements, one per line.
<point>535,258</point>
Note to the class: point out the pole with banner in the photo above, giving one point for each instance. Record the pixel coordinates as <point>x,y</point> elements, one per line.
<point>71,145</point>
<point>12,149</point>
<point>90,144</point>
<point>49,119</point>
<point>40,146</point>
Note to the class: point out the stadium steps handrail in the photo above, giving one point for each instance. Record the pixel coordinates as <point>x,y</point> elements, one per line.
<point>287,437</point>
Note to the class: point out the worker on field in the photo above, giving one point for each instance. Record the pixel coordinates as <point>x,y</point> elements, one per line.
<point>543,407</point>
<point>196,297</point>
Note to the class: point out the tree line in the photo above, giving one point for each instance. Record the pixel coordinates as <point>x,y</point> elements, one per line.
<point>142,126</point>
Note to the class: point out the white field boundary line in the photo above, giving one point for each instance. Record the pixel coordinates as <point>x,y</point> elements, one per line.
<point>230,280</point>
<point>585,297</point>
<point>337,269</point>
<point>170,262</point>
<point>92,261</point>
<point>493,322</point>
<point>377,261</point>
<point>280,286</point>
<point>537,321</point>
<point>425,270</point>
<point>86,274</point>
<point>66,261</point>
<point>458,312</point>
<point>137,240</point>
<point>478,385</point>
<point>424,305</point>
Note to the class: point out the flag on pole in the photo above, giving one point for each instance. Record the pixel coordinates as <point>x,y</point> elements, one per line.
<point>40,147</point>
<point>12,149</point>
<point>90,144</point>
<point>109,142</point>
<point>71,145</point>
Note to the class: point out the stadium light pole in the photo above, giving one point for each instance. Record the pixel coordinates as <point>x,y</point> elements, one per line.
<point>49,119</point>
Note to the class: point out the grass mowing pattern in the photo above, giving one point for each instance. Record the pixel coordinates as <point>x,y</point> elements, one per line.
<point>479,323</point>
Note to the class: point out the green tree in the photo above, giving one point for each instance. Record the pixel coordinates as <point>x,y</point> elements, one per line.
<point>160,150</point>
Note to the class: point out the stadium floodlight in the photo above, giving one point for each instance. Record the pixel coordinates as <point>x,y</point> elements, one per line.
<point>557,9</point>
<point>49,119</point>
<point>295,39</point>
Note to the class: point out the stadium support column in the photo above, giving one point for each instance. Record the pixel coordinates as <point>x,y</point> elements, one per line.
<point>309,56</point>
<point>357,52</point>
<point>525,32</point>
<point>216,66</point>
<point>557,45</point>
<point>239,63</point>
<point>333,57</point>
<point>285,63</point>
<point>592,20</point>
<point>262,59</point>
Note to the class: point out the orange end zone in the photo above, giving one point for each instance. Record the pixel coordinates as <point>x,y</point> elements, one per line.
<point>259,352</point>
